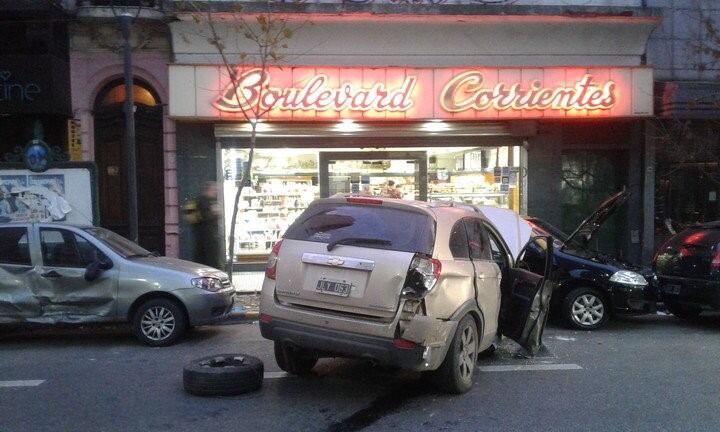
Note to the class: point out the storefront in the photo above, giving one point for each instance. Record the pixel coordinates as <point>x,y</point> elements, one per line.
<point>497,134</point>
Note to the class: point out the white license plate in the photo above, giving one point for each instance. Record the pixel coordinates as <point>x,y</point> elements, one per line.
<point>672,289</point>
<point>340,289</point>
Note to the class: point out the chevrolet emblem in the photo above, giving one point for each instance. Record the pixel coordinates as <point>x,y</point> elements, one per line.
<point>335,261</point>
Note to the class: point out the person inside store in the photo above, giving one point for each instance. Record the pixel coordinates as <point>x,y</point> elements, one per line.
<point>206,228</point>
<point>391,191</point>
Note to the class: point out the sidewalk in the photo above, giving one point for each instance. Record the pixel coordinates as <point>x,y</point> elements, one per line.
<point>246,307</point>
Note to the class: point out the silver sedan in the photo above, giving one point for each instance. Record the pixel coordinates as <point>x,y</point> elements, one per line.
<point>54,273</point>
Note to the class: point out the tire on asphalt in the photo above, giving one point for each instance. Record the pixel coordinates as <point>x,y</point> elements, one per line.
<point>455,374</point>
<point>223,375</point>
<point>685,312</point>
<point>581,306</point>
<point>294,360</point>
<point>153,318</point>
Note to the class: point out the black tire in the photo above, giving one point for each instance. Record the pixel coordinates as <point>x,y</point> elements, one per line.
<point>294,360</point>
<point>455,374</point>
<point>685,312</point>
<point>223,375</point>
<point>580,307</point>
<point>164,309</point>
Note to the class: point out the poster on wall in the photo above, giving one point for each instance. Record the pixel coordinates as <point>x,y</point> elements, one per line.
<point>56,195</point>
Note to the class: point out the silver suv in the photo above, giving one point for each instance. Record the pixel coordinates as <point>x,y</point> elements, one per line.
<point>423,286</point>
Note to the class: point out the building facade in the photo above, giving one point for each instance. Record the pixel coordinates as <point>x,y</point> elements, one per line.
<point>683,139</point>
<point>34,77</point>
<point>535,106</point>
<point>98,93</point>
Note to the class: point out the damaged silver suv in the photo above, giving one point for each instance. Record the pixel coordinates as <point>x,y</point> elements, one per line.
<point>423,286</point>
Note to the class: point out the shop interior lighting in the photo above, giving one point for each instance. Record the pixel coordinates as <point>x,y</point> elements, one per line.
<point>435,126</point>
<point>347,126</point>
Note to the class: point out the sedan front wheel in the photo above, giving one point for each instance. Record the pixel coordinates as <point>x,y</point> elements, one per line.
<point>585,309</point>
<point>159,322</point>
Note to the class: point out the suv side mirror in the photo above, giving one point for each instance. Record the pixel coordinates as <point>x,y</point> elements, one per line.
<point>95,268</point>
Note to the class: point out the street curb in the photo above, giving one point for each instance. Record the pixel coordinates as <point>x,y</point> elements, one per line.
<point>241,314</point>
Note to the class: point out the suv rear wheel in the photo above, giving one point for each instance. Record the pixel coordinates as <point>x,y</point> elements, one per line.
<point>455,374</point>
<point>294,360</point>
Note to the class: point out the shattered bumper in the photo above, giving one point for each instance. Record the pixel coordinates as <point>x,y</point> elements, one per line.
<point>633,300</point>
<point>341,343</point>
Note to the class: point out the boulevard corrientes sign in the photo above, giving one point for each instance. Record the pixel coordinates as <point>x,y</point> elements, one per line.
<point>306,93</point>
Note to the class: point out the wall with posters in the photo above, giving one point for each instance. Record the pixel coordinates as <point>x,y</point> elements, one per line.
<point>64,195</point>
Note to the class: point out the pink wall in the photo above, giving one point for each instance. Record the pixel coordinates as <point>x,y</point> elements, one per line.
<point>90,71</point>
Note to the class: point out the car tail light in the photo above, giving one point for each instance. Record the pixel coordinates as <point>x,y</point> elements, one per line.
<point>371,201</point>
<point>662,249</point>
<point>423,274</point>
<point>265,318</point>
<point>404,344</point>
<point>271,266</point>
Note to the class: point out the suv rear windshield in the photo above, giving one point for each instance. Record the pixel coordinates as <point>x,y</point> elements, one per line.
<point>690,253</point>
<point>400,230</point>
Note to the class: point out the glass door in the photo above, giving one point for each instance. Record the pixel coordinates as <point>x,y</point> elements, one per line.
<point>395,174</point>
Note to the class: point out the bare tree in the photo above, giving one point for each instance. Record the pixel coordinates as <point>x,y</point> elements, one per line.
<point>267,37</point>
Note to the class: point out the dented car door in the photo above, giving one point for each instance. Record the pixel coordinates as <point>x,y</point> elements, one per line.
<point>17,299</point>
<point>60,286</point>
<point>526,301</point>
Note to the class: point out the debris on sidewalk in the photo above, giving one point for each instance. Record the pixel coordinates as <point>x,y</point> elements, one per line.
<point>246,307</point>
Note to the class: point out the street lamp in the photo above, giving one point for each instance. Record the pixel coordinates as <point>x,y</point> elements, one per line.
<point>126,15</point>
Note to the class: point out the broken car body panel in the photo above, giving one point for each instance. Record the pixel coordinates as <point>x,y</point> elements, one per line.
<point>50,282</point>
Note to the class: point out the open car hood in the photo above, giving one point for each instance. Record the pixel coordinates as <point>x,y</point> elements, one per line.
<point>585,231</point>
<point>515,230</point>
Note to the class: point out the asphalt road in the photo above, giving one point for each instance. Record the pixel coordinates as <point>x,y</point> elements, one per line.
<point>646,373</point>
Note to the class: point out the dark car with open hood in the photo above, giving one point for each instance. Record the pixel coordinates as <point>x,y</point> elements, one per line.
<point>592,286</point>
<point>688,269</point>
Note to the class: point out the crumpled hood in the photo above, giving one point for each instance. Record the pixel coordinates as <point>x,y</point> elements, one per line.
<point>585,231</point>
<point>179,265</point>
<point>515,230</point>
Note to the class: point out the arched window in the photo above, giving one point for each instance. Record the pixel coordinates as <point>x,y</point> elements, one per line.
<point>114,93</point>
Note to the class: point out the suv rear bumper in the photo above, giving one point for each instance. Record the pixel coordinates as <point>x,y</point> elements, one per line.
<point>334,342</point>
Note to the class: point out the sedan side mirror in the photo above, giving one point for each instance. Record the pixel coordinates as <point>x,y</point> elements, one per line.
<point>95,268</point>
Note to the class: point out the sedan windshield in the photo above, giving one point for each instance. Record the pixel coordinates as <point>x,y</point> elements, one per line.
<point>117,243</point>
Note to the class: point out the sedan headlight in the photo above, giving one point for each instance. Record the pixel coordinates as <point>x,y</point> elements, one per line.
<point>627,277</point>
<point>207,283</point>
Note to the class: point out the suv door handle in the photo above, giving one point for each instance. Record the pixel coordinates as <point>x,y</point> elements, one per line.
<point>51,274</point>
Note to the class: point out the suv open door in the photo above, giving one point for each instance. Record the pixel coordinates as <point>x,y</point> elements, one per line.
<point>525,301</point>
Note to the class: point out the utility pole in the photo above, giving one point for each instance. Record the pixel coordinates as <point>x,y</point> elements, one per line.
<point>129,109</point>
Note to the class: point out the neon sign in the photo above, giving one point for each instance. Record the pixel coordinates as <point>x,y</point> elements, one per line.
<point>306,93</point>
<point>465,91</point>
<point>254,88</point>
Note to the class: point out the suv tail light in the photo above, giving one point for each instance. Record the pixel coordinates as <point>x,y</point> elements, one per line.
<point>423,274</point>
<point>271,266</point>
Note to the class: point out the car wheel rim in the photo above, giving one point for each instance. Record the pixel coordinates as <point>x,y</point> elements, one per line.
<point>588,310</point>
<point>468,352</point>
<point>157,323</point>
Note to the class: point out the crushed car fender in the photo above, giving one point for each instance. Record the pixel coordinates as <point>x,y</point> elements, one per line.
<point>429,332</point>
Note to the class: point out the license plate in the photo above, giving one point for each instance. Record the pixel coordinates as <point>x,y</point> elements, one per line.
<point>672,289</point>
<point>340,289</point>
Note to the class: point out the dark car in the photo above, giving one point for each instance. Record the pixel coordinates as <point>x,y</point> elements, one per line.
<point>688,269</point>
<point>591,286</point>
